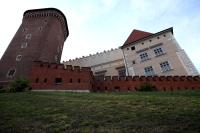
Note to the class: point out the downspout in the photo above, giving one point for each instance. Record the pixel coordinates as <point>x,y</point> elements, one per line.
<point>125,62</point>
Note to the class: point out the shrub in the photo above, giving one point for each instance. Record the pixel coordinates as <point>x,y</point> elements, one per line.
<point>147,87</point>
<point>19,84</point>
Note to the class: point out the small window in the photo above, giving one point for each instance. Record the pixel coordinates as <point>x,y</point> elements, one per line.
<point>24,29</point>
<point>70,80</point>
<point>122,72</point>
<point>79,80</point>
<point>144,56</point>
<point>19,57</point>
<point>133,48</point>
<point>158,37</point>
<point>11,73</point>
<point>165,66</point>
<point>133,62</point>
<point>158,51</point>
<point>45,80</point>
<point>127,48</point>
<point>24,45</point>
<point>58,80</point>
<point>36,80</point>
<point>149,71</point>
<point>150,40</point>
<point>40,28</point>
<point>28,36</point>
<point>164,35</point>
<point>142,43</point>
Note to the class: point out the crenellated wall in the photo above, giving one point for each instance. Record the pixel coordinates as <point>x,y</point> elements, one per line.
<point>50,76</point>
<point>162,83</point>
<point>107,62</point>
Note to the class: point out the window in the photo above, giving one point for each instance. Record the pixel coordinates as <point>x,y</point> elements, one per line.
<point>165,66</point>
<point>144,56</point>
<point>127,48</point>
<point>28,36</point>
<point>45,80</point>
<point>79,80</point>
<point>36,80</point>
<point>70,80</point>
<point>122,72</point>
<point>11,73</point>
<point>133,48</point>
<point>158,51</point>
<point>19,57</point>
<point>40,28</point>
<point>58,80</point>
<point>133,62</point>
<point>149,71</point>
<point>24,45</point>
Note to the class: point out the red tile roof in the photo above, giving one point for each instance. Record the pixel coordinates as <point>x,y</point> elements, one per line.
<point>136,35</point>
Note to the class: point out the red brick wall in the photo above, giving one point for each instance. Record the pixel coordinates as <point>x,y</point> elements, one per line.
<point>162,83</point>
<point>48,29</point>
<point>81,77</point>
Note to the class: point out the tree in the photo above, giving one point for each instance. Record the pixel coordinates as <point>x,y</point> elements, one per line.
<point>19,84</point>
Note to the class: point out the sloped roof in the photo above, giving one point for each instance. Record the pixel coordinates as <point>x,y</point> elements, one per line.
<point>136,35</point>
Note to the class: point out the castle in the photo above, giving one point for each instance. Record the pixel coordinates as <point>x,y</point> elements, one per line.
<point>35,52</point>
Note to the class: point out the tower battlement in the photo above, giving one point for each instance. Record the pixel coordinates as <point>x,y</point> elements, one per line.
<point>46,12</point>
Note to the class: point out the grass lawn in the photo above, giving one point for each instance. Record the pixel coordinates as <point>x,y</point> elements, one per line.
<point>140,112</point>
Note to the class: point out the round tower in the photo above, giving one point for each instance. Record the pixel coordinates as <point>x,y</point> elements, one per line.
<point>40,37</point>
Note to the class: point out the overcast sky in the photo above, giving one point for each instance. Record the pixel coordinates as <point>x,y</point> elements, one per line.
<point>98,25</point>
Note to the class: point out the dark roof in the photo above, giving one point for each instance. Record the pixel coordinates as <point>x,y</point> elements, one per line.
<point>138,35</point>
<point>54,9</point>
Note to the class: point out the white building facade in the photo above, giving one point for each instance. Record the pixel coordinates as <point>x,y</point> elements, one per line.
<point>143,53</point>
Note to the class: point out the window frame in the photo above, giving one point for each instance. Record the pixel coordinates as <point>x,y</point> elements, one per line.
<point>150,71</point>
<point>19,57</point>
<point>158,51</point>
<point>144,56</point>
<point>165,67</point>
<point>9,74</point>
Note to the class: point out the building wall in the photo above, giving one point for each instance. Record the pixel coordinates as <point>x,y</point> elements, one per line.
<point>107,62</point>
<point>161,83</point>
<point>40,37</point>
<point>170,48</point>
<point>43,76</point>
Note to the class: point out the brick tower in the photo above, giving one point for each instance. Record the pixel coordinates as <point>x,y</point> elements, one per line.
<point>40,37</point>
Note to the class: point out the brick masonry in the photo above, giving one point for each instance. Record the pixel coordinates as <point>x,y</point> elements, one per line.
<point>52,76</point>
<point>43,77</point>
<point>40,37</point>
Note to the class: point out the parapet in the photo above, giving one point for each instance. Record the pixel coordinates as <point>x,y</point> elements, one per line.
<point>48,65</point>
<point>93,55</point>
<point>149,78</point>
<point>45,12</point>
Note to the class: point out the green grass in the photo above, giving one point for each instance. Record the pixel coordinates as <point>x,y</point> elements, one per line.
<point>138,112</point>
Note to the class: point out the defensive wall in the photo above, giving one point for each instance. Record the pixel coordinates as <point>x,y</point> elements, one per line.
<point>51,76</point>
<point>161,83</point>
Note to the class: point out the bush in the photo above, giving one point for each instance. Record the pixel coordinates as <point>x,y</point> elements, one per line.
<point>147,87</point>
<point>18,85</point>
